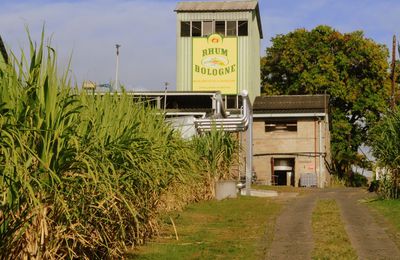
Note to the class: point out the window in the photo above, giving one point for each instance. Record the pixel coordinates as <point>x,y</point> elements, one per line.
<point>185,29</point>
<point>196,29</point>
<point>231,28</point>
<point>207,28</point>
<point>281,125</point>
<point>242,28</point>
<point>220,27</point>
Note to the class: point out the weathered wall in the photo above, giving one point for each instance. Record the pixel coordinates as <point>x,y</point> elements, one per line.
<point>302,145</point>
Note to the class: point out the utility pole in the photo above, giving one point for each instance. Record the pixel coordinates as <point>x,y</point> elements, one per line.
<point>165,95</point>
<point>393,75</point>
<point>116,67</point>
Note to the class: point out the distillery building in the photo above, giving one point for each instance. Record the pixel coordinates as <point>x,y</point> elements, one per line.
<point>218,48</point>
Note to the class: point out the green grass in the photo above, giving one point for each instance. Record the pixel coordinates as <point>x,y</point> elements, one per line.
<point>330,237</point>
<point>233,229</point>
<point>390,210</point>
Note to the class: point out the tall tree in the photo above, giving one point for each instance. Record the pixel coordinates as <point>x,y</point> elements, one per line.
<point>352,69</point>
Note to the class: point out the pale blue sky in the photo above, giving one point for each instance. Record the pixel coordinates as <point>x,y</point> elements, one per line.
<point>89,30</point>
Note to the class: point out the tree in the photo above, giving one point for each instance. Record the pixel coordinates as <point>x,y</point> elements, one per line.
<point>352,69</point>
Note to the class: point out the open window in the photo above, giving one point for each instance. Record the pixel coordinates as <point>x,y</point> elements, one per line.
<point>196,29</point>
<point>185,29</point>
<point>206,28</point>
<point>280,125</point>
<point>220,27</point>
<point>243,28</point>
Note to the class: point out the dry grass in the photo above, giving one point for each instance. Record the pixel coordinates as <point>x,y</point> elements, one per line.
<point>330,237</point>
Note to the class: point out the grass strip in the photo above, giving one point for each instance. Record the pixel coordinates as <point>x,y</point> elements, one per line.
<point>390,210</point>
<point>234,229</point>
<point>330,237</point>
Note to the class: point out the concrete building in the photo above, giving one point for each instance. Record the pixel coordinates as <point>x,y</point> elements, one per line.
<point>291,140</point>
<point>218,48</point>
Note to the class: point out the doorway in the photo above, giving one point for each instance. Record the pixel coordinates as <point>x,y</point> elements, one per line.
<point>283,172</point>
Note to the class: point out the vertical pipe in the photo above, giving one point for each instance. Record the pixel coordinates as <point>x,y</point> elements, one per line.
<point>239,136</point>
<point>321,170</point>
<point>249,141</point>
<point>315,151</point>
<point>272,172</point>
<point>249,159</point>
<point>218,108</point>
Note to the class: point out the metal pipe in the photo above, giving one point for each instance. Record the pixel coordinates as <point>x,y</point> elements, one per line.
<point>237,124</point>
<point>202,114</point>
<point>315,152</point>
<point>249,159</point>
<point>321,170</point>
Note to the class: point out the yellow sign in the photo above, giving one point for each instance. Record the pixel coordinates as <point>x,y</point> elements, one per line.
<point>215,64</point>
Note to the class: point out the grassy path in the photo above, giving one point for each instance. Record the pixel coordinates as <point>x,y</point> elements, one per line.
<point>367,236</point>
<point>293,233</point>
<point>318,224</point>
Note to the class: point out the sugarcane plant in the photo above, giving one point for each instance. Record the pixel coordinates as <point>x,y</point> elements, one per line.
<point>385,143</point>
<point>83,175</point>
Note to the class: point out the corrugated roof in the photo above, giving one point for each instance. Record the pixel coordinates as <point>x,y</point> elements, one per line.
<point>216,6</point>
<point>291,103</point>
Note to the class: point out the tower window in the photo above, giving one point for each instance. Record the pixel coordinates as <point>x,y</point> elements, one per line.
<point>220,27</point>
<point>207,28</point>
<point>231,28</point>
<point>185,29</point>
<point>196,29</point>
<point>243,28</point>
<point>281,125</point>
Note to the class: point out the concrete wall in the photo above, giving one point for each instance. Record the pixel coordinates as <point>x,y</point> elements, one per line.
<point>303,146</point>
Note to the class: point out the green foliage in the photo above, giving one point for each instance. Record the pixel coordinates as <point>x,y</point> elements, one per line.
<point>385,143</point>
<point>83,176</point>
<point>348,67</point>
<point>218,151</point>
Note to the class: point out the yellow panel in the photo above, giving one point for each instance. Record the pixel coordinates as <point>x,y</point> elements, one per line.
<point>215,64</point>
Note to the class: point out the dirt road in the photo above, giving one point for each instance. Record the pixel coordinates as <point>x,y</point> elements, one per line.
<point>293,233</point>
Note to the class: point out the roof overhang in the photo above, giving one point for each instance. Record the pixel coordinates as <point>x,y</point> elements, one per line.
<point>288,115</point>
